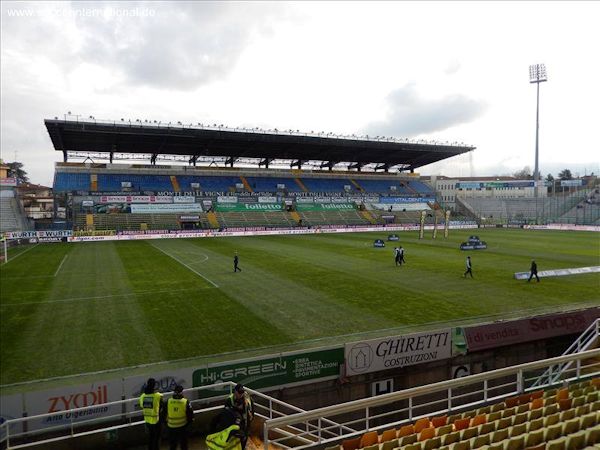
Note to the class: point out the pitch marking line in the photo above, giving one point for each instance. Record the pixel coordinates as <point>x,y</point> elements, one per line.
<point>186,265</point>
<point>24,251</point>
<point>60,265</point>
<point>101,297</point>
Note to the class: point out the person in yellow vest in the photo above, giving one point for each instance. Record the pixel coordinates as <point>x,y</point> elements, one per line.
<point>241,401</point>
<point>179,415</point>
<point>225,431</point>
<point>152,406</point>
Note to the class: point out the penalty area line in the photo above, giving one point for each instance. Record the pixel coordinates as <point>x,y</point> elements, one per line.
<point>185,265</point>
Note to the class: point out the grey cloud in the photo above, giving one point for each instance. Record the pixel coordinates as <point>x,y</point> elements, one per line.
<point>179,46</point>
<point>409,114</point>
<point>183,46</point>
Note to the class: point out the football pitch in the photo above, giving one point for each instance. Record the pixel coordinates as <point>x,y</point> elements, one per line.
<point>77,308</point>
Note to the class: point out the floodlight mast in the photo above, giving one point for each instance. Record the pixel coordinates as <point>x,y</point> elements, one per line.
<point>537,75</point>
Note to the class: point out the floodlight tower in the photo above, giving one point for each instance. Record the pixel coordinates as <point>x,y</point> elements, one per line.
<point>537,75</point>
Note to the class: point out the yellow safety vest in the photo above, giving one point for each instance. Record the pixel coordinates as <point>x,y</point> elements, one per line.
<point>150,403</point>
<point>221,441</point>
<point>176,412</point>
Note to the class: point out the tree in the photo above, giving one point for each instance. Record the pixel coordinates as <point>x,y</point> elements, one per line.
<point>549,178</point>
<point>523,174</point>
<point>565,175</point>
<point>15,170</point>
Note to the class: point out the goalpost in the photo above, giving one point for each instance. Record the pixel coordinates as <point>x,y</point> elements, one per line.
<point>3,250</point>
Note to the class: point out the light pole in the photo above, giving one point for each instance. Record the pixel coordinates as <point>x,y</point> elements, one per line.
<point>537,75</point>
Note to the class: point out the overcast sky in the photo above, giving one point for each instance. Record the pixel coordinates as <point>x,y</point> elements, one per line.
<point>448,71</point>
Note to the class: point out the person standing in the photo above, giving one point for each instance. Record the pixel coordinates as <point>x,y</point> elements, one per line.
<point>533,271</point>
<point>402,260</point>
<point>469,268</point>
<point>179,416</point>
<point>236,261</point>
<point>241,402</point>
<point>152,406</point>
<point>397,259</point>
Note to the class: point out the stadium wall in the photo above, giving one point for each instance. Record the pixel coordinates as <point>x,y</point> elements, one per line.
<point>319,377</point>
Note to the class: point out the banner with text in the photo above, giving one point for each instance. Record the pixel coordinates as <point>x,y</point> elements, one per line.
<point>248,207</point>
<point>172,208</point>
<point>38,234</point>
<point>397,351</point>
<point>135,199</point>
<point>389,200</point>
<point>325,206</point>
<point>511,332</point>
<point>276,371</point>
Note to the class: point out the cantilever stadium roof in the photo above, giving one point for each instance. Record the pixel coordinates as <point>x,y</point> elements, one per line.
<point>202,142</point>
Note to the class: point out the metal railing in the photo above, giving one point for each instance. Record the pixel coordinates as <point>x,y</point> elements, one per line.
<point>585,341</point>
<point>21,432</point>
<point>397,408</point>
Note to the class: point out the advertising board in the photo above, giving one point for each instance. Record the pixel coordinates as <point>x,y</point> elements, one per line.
<point>166,209</point>
<point>274,371</point>
<point>511,332</point>
<point>397,351</point>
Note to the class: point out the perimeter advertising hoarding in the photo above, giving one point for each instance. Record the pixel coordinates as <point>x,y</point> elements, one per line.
<point>11,407</point>
<point>275,371</point>
<point>166,381</point>
<point>531,329</point>
<point>58,400</point>
<point>38,234</point>
<point>10,181</point>
<point>397,351</point>
<point>166,209</point>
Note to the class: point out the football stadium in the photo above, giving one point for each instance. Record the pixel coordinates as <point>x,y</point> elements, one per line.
<point>206,257</point>
<point>290,225</point>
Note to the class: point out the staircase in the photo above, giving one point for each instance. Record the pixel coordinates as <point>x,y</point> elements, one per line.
<point>301,184</point>
<point>368,216</point>
<point>588,340</point>
<point>93,182</point>
<point>295,216</point>
<point>212,219</point>
<point>357,186</point>
<point>246,184</point>
<point>175,184</point>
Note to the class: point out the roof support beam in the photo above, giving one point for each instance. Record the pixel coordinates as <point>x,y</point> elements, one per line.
<point>231,160</point>
<point>193,160</point>
<point>64,156</point>
<point>358,166</point>
<point>265,162</point>
<point>329,164</point>
<point>112,154</point>
<point>297,163</point>
<point>153,159</point>
<point>385,167</point>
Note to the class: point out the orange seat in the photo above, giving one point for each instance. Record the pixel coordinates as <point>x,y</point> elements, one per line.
<point>478,420</point>
<point>537,394</point>
<point>565,404</point>
<point>351,444</point>
<point>369,438</point>
<point>511,402</point>
<point>406,430</point>
<point>461,424</point>
<point>562,394</point>
<point>388,435</point>
<point>421,424</point>
<point>439,421</point>
<point>427,433</point>
<point>537,403</point>
<point>525,398</point>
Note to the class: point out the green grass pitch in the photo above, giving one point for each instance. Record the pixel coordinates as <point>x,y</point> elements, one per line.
<point>75,308</point>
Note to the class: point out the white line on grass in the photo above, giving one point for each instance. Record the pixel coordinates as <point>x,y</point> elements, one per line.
<point>19,254</point>
<point>186,265</point>
<point>101,297</point>
<point>60,265</point>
